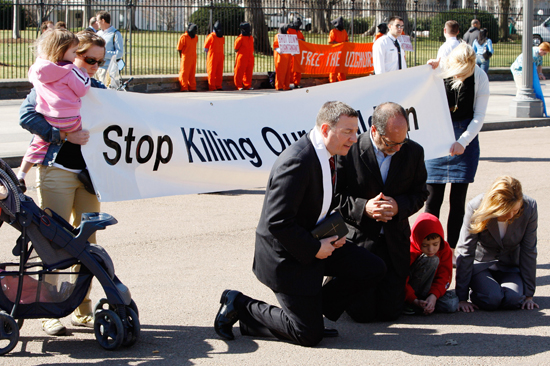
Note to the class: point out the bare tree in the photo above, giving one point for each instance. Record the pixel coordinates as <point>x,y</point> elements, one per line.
<point>388,9</point>
<point>254,14</point>
<point>504,5</point>
<point>321,11</point>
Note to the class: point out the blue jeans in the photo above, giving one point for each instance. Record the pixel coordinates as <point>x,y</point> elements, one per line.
<point>483,63</point>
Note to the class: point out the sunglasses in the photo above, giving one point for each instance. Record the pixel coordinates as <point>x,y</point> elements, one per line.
<point>93,61</point>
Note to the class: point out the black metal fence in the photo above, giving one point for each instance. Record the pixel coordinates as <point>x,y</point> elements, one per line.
<point>151,28</point>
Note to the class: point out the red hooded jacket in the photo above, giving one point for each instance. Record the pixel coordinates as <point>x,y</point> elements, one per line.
<point>425,225</point>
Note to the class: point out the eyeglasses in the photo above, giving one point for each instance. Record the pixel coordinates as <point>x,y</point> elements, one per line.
<point>93,61</point>
<point>399,26</point>
<point>389,143</point>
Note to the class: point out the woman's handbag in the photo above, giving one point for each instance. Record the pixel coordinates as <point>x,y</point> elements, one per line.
<point>487,55</point>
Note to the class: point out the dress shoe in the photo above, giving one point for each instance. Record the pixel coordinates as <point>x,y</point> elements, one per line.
<point>227,315</point>
<point>330,333</point>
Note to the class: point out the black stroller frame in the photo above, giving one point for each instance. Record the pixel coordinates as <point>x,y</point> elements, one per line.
<point>59,246</point>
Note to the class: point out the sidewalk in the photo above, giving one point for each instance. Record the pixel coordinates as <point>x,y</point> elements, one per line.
<point>14,140</point>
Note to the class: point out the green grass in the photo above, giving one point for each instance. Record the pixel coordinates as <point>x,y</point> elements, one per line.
<point>154,53</point>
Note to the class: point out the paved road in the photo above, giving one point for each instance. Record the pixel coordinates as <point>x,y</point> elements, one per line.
<point>177,254</point>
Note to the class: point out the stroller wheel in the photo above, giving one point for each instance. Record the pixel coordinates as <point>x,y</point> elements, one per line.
<point>132,327</point>
<point>9,333</point>
<point>20,323</point>
<point>103,301</point>
<point>109,330</point>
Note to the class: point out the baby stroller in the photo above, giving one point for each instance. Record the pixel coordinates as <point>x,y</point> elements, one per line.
<point>57,264</point>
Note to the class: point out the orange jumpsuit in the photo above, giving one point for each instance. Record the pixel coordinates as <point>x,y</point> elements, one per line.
<point>337,36</point>
<point>244,63</point>
<point>296,77</point>
<point>214,61</point>
<point>283,69</point>
<point>378,35</point>
<point>188,54</point>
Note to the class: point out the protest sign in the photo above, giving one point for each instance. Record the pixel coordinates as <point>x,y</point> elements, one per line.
<point>144,145</point>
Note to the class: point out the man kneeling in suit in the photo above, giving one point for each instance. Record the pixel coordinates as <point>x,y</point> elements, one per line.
<point>287,258</point>
<point>381,182</point>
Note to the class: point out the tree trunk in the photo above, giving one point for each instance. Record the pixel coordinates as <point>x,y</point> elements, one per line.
<point>16,20</point>
<point>254,15</point>
<point>504,5</point>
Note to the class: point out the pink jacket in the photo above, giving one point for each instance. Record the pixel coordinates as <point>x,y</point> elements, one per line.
<point>58,88</point>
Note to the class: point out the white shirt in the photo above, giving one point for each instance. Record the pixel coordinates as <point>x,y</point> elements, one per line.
<point>447,47</point>
<point>323,155</point>
<point>385,56</point>
<point>383,160</point>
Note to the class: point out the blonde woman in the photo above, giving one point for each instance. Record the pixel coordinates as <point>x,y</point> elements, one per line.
<point>517,67</point>
<point>497,250</point>
<point>467,88</point>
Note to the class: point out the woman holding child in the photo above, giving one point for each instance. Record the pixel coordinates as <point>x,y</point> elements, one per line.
<point>58,185</point>
<point>497,250</point>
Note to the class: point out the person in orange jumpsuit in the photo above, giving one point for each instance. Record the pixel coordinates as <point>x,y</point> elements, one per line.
<point>382,30</point>
<point>294,28</point>
<point>282,63</point>
<point>187,48</point>
<point>244,63</point>
<point>213,46</point>
<point>337,35</point>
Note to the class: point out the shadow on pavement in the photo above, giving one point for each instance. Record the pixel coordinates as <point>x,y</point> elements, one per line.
<point>174,345</point>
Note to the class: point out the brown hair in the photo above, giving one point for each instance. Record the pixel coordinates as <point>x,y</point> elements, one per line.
<point>44,26</point>
<point>452,27</point>
<point>60,25</point>
<point>52,45</point>
<point>433,236</point>
<point>87,40</point>
<point>104,15</point>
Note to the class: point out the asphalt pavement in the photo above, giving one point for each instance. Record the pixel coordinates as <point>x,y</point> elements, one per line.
<point>177,254</point>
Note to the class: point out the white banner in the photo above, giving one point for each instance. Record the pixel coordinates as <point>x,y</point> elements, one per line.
<point>144,145</point>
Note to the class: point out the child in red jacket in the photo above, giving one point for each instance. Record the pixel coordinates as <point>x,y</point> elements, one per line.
<point>431,269</point>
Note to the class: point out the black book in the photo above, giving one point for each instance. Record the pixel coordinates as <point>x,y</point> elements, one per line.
<point>332,225</point>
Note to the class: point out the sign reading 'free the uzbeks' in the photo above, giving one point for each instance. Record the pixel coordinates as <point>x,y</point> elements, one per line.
<point>144,146</point>
<point>349,58</point>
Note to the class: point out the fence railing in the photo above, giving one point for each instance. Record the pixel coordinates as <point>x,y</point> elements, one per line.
<point>151,28</point>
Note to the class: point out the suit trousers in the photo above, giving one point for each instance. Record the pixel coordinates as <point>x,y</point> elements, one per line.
<point>386,301</point>
<point>492,290</point>
<point>300,318</point>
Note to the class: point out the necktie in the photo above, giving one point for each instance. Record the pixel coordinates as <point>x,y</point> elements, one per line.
<point>332,170</point>
<point>398,52</point>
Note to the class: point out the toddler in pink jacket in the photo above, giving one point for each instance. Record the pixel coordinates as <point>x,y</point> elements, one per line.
<point>59,86</point>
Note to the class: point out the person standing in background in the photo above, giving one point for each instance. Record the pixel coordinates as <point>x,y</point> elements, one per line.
<point>337,35</point>
<point>187,48</point>
<point>387,52</point>
<point>473,33</point>
<point>283,62</point>
<point>244,63</point>
<point>483,48</point>
<point>114,43</point>
<point>213,46</point>
<point>450,31</point>
<point>294,28</point>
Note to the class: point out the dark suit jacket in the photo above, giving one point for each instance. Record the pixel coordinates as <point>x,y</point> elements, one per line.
<point>284,257</point>
<point>516,252</point>
<point>359,180</point>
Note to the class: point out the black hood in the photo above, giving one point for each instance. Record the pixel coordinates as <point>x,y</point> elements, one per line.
<point>283,29</point>
<point>296,24</point>
<point>338,23</point>
<point>218,29</point>
<point>473,29</point>
<point>192,30</point>
<point>245,29</point>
